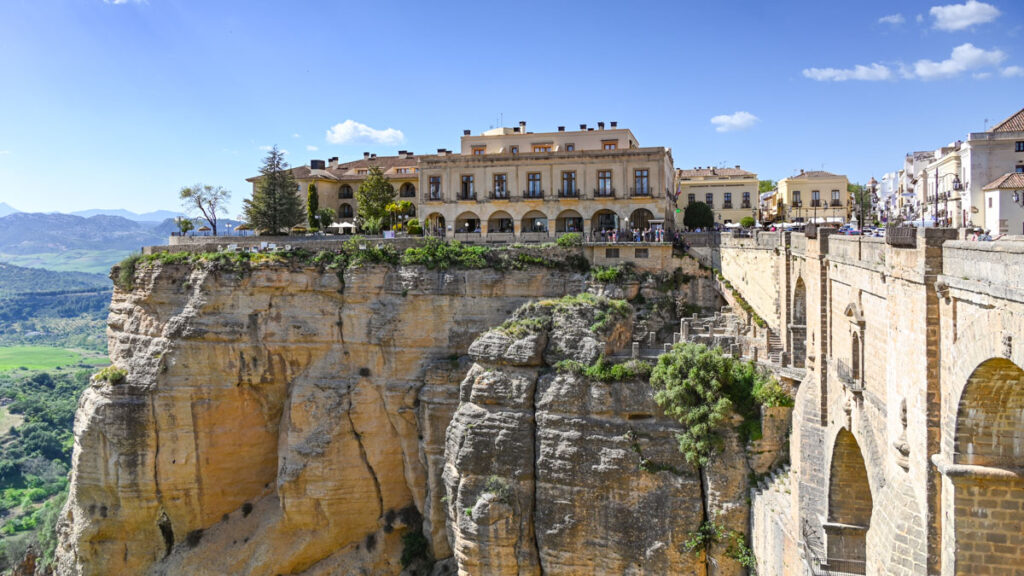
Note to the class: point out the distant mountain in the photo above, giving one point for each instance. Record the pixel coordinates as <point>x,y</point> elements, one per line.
<point>25,233</point>
<point>20,280</point>
<point>155,216</point>
<point>6,209</point>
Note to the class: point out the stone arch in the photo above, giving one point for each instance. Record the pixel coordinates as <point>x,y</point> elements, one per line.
<point>408,190</point>
<point>346,211</point>
<point>467,222</point>
<point>800,303</point>
<point>604,220</point>
<point>500,222</point>
<point>434,224</point>
<point>850,506</point>
<point>569,221</point>
<point>534,221</point>
<point>988,438</point>
<point>640,219</point>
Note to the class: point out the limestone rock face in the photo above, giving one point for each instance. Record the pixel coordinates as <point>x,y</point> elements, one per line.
<point>278,421</point>
<point>556,473</point>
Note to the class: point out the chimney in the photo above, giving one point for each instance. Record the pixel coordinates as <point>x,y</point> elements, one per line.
<point>590,129</point>
<point>316,164</point>
<point>465,132</point>
<point>600,125</point>
<point>373,156</point>
<point>737,166</point>
<point>440,151</point>
<point>401,152</point>
<point>366,155</point>
<point>801,171</point>
<point>522,127</point>
<point>615,124</point>
<point>333,162</point>
<point>561,128</point>
<point>583,126</point>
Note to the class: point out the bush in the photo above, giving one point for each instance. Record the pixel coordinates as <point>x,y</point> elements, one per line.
<point>747,222</point>
<point>414,548</point>
<point>436,254</point>
<point>125,278</point>
<point>112,374</point>
<point>414,228</point>
<point>570,239</point>
<point>606,274</point>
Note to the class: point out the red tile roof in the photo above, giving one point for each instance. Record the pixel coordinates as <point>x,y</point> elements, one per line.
<point>1008,181</point>
<point>698,172</point>
<point>1014,123</point>
<point>814,174</point>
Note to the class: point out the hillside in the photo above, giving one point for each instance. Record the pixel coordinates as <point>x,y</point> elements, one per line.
<point>25,233</point>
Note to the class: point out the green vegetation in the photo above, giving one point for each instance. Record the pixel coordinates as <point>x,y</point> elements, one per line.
<point>275,206</point>
<point>437,254</point>
<point>205,199</point>
<point>605,371</point>
<point>700,387</point>
<point>35,460</point>
<point>414,228</point>
<point>606,274</point>
<point>708,533</point>
<point>374,195</point>
<point>415,548</point>
<point>698,215</point>
<point>765,186</point>
<point>312,207</point>
<point>747,222</point>
<point>111,374</point>
<point>90,261</point>
<point>741,301</point>
<point>41,358</point>
<point>570,239</point>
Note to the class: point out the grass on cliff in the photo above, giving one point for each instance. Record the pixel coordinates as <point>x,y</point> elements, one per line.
<point>701,387</point>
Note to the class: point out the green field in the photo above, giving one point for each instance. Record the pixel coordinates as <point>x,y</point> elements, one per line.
<point>95,261</point>
<point>44,358</point>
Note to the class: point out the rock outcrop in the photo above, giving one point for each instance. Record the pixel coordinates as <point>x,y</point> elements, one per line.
<point>277,421</point>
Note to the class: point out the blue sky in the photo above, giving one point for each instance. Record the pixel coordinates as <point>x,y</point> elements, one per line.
<point>118,104</point>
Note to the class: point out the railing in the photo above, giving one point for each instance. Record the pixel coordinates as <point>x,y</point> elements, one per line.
<point>836,204</point>
<point>727,205</point>
<point>745,204</point>
<point>467,195</point>
<point>569,193</point>
<point>641,191</point>
<point>433,197</point>
<point>407,193</point>
<point>533,193</point>
<point>498,195</point>
<point>815,203</point>
<point>350,195</point>
<point>604,193</point>
<point>901,236</point>
<point>847,376</point>
<point>797,203</point>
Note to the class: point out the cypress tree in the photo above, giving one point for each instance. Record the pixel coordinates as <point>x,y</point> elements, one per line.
<point>313,207</point>
<point>275,205</point>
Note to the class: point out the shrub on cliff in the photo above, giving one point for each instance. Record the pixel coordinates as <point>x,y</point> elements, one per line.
<point>570,239</point>
<point>700,386</point>
<point>436,254</point>
<point>125,277</point>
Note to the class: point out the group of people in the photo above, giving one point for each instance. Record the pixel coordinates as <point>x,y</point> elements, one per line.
<point>635,235</point>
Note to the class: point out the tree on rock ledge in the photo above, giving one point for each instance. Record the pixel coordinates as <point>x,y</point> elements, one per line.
<point>275,205</point>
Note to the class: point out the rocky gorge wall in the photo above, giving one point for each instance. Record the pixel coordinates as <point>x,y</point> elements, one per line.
<point>290,420</point>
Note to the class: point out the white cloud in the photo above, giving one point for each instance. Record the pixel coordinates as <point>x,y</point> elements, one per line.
<point>981,75</point>
<point>955,17</point>
<point>873,72</point>
<point>350,131</point>
<point>312,148</point>
<point>737,121</point>
<point>964,58</point>
<point>1013,71</point>
<point>894,19</point>
<point>4,152</point>
<point>919,18</point>
<point>296,135</point>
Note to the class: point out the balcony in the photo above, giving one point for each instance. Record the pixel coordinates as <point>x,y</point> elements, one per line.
<point>343,195</point>
<point>745,204</point>
<point>498,195</point>
<point>815,203</point>
<point>533,194</point>
<point>835,204</point>
<point>797,203</point>
<point>727,205</point>
<point>433,197</point>
<point>604,193</point>
<point>569,193</point>
<point>640,191</point>
<point>467,196</point>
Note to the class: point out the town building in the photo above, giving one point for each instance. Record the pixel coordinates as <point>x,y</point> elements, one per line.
<point>510,184</point>
<point>730,192</point>
<point>1004,204</point>
<point>813,196</point>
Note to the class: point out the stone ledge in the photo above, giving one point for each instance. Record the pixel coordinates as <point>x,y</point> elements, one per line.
<point>947,468</point>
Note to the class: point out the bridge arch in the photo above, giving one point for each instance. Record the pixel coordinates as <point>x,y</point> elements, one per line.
<point>850,507</point>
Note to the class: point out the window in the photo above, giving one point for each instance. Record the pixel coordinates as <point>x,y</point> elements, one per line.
<point>362,172</point>
<point>403,170</point>
<point>346,211</point>
<point>989,201</point>
<point>1020,146</point>
<point>500,191</point>
<point>728,199</point>
<point>609,144</point>
<point>604,183</point>
<point>709,199</point>
<point>642,253</point>
<point>467,188</point>
<point>1020,169</point>
<point>479,150</point>
<point>435,187</point>
<point>796,198</point>
<point>514,149</point>
<point>690,199</point>
<point>570,147</point>
<point>542,147</point>
<point>533,185</point>
<point>345,192</point>
<point>568,183</point>
<point>640,182</point>
<point>815,198</point>
<point>611,252</point>
<point>746,199</point>
<point>835,197</point>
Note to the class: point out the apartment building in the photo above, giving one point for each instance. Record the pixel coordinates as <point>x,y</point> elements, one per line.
<point>730,192</point>
<point>813,196</point>
<point>511,184</point>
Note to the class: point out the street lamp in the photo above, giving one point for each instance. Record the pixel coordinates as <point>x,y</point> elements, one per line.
<point>956,186</point>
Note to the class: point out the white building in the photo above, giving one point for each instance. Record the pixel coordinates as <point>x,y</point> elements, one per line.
<point>1004,204</point>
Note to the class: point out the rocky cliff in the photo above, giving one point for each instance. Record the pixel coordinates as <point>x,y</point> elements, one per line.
<point>285,419</point>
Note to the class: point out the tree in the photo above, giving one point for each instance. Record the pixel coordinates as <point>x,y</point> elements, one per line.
<point>698,215</point>
<point>398,209</point>
<point>861,199</point>
<point>324,217</point>
<point>747,221</point>
<point>275,205</point>
<point>313,207</point>
<point>374,195</point>
<point>206,200</point>
<point>765,186</point>
<point>185,225</point>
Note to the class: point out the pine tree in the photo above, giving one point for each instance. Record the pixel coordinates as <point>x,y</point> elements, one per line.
<point>374,195</point>
<point>313,207</point>
<point>275,205</point>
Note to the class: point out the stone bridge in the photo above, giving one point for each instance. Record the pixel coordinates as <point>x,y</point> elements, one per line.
<point>907,444</point>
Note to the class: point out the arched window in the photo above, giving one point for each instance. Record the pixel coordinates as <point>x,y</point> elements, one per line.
<point>345,192</point>
<point>346,211</point>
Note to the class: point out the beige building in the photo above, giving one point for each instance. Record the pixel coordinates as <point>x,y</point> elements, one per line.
<point>730,192</point>
<point>813,196</point>
<point>336,183</point>
<point>510,184</point>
